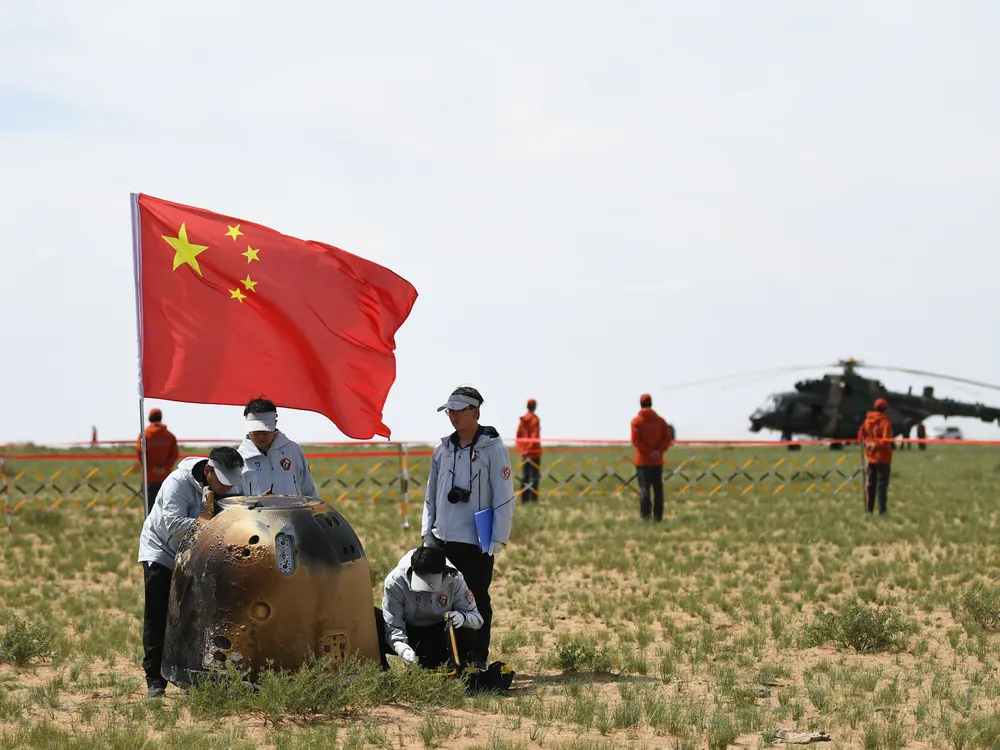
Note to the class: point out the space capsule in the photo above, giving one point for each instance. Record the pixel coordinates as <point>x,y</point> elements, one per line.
<point>274,578</point>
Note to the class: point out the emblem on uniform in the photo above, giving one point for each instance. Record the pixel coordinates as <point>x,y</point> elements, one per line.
<point>286,463</point>
<point>470,597</point>
<point>506,472</point>
<point>475,455</point>
<point>443,600</point>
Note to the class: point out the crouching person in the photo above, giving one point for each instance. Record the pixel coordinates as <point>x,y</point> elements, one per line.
<point>177,505</point>
<point>422,588</point>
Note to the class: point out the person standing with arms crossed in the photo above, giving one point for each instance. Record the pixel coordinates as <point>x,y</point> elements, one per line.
<point>651,437</point>
<point>530,444</point>
<point>470,472</point>
<point>274,462</point>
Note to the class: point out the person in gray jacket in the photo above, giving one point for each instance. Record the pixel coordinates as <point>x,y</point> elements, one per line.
<point>177,505</point>
<point>419,591</point>
<point>470,471</point>
<point>273,463</point>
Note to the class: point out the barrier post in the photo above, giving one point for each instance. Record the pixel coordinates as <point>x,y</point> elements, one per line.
<point>6,497</point>
<point>404,486</point>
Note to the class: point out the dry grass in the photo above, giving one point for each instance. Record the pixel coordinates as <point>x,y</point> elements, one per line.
<point>733,618</point>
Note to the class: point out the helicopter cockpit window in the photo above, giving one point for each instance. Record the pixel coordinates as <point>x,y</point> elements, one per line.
<point>771,404</point>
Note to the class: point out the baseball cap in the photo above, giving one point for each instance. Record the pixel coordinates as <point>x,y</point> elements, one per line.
<point>427,566</point>
<point>457,402</point>
<point>264,421</point>
<point>230,477</point>
<point>429,582</point>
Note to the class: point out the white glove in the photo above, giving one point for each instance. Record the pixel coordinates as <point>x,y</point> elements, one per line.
<point>408,655</point>
<point>495,547</point>
<point>456,618</point>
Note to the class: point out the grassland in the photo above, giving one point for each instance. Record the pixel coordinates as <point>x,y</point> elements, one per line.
<point>736,617</point>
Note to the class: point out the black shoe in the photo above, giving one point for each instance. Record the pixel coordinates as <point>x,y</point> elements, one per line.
<point>156,689</point>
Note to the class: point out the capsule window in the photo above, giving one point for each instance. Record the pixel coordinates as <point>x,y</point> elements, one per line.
<point>222,642</point>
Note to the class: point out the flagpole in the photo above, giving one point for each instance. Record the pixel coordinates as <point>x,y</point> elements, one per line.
<point>137,274</point>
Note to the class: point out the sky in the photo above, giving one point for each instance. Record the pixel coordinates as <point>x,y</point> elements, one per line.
<point>593,200</point>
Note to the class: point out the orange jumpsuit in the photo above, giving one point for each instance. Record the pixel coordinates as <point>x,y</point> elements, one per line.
<point>876,437</point>
<point>529,444</point>
<point>651,437</point>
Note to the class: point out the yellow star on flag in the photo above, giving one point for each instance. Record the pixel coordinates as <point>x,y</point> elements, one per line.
<point>249,283</point>
<point>251,254</point>
<point>237,294</point>
<point>185,251</point>
<point>234,232</point>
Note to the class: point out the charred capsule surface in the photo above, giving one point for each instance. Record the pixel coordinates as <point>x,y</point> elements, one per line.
<point>272,577</point>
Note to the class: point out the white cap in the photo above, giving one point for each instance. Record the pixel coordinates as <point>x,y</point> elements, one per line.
<point>264,421</point>
<point>229,477</point>
<point>426,582</point>
<point>458,402</point>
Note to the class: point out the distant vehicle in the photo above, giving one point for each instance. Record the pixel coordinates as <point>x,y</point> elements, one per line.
<point>834,406</point>
<point>948,433</point>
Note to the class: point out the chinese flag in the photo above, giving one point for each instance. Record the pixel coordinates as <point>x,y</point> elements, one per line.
<point>230,310</point>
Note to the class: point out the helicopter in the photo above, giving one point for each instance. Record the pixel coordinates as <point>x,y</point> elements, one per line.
<point>834,407</point>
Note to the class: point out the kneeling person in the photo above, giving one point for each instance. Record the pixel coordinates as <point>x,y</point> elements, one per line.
<point>422,588</point>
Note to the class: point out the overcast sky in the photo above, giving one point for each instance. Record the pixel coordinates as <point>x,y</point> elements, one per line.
<point>592,199</point>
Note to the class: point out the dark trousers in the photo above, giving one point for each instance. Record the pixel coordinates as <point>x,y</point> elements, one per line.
<point>477,569</point>
<point>531,475</point>
<point>383,642</point>
<point>650,478</point>
<point>154,619</point>
<point>432,644</point>
<point>877,484</point>
<point>151,489</point>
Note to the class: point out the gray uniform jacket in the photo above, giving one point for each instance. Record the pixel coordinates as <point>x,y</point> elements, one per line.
<point>483,467</point>
<point>401,606</point>
<point>177,504</point>
<point>283,469</point>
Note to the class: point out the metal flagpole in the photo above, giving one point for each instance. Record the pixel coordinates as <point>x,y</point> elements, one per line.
<point>404,485</point>
<point>6,497</point>
<point>137,272</point>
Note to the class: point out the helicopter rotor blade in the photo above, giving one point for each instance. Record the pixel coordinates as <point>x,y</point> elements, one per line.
<point>925,373</point>
<point>740,375</point>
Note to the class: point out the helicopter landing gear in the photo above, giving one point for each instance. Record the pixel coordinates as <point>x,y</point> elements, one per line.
<point>786,437</point>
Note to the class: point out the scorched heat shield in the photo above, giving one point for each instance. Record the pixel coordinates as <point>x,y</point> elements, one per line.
<point>263,578</point>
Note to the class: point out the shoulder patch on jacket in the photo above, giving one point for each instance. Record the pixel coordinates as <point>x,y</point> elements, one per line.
<point>506,472</point>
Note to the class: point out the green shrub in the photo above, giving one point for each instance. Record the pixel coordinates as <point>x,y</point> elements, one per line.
<point>865,628</point>
<point>23,641</point>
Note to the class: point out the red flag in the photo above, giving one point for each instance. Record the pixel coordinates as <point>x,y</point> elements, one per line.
<point>230,310</point>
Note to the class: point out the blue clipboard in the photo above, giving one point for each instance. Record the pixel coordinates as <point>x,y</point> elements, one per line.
<point>484,528</point>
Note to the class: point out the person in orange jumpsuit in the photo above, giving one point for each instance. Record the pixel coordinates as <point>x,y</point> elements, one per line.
<point>161,455</point>
<point>876,437</point>
<point>530,445</point>
<point>651,437</point>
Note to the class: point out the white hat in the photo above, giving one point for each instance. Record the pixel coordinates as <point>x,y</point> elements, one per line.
<point>457,402</point>
<point>264,421</point>
<point>229,477</point>
<point>430,582</point>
